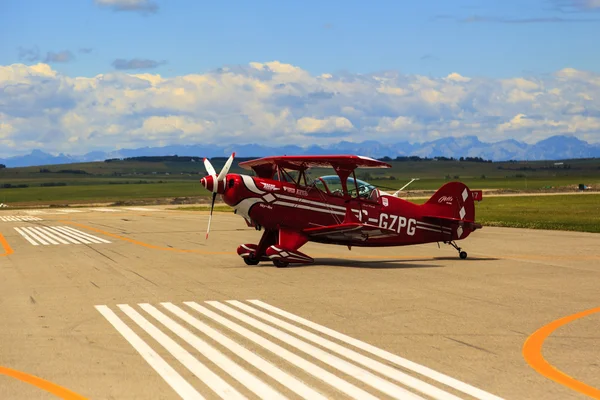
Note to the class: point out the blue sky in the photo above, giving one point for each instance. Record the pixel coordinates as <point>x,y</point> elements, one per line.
<point>475,38</point>
<point>84,75</point>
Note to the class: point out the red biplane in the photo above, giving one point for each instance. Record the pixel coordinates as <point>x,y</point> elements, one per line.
<point>335,209</point>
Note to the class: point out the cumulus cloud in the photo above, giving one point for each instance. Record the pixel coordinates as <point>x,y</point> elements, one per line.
<point>325,125</point>
<point>278,103</point>
<point>136,63</point>
<point>143,6</point>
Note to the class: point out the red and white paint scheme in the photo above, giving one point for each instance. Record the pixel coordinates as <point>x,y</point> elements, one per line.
<point>334,209</point>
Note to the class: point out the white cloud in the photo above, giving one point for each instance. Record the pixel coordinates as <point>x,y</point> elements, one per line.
<point>277,103</point>
<point>327,125</point>
<point>454,77</point>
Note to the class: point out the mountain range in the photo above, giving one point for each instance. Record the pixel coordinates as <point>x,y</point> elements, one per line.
<point>553,148</point>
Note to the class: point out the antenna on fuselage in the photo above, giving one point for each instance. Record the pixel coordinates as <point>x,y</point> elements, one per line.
<point>403,187</point>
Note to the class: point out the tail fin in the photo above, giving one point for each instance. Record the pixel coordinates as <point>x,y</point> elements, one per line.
<point>454,201</point>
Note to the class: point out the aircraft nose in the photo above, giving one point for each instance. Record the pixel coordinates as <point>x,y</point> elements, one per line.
<point>208,182</point>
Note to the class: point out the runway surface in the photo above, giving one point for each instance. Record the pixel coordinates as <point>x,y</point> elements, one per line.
<point>116,303</point>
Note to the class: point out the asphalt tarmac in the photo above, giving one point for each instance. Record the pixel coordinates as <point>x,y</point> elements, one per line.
<point>116,303</point>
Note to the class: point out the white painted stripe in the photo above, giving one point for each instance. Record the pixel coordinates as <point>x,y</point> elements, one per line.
<point>356,372</point>
<point>299,362</point>
<point>377,366</point>
<point>62,235</point>
<point>247,379</point>
<point>138,209</point>
<point>40,232</point>
<point>433,225</point>
<point>180,385</point>
<point>63,210</point>
<point>271,370</point>
<point>316,203</point>
<point>51,234</point>
<point>104,209</point>
<point>212,380</point>
<point>321,210</point>
<point>26,236</point>
<point>67,233</point>
<point>249,182</point>
<point>431,229</point>
<point>420,369</point>
<point>36,237</point>
<point>85,234</point>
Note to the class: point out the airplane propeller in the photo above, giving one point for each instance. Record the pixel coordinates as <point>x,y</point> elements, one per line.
<point>215,182</point>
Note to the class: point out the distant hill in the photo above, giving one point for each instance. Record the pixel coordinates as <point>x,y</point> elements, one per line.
<point>553,148</point>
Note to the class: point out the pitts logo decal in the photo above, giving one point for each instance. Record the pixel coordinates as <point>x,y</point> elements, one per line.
<point>269,186</point>
<point>445,199</point>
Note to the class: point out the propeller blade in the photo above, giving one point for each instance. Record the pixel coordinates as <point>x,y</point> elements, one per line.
<point>226,167</point>
<point>212,205</point>
<point>209,168</point>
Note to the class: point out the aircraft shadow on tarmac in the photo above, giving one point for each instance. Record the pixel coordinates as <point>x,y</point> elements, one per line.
<point>372,264</point>
<point>386,264</point>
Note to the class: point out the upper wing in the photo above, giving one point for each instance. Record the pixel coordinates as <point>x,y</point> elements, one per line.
<point>300,163</point>
<point>349,231</point>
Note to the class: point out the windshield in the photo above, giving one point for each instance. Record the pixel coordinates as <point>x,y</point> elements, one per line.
<point>334,185</point>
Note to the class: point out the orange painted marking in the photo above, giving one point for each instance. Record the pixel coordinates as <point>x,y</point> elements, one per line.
<point>7,249</point>
<point>532,351</point>
<point>43,384</point>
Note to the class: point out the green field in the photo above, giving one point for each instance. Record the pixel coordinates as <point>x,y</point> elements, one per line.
<point>150,181</point>
<point>560,212</point>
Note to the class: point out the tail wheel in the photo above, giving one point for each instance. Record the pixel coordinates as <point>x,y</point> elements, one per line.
<point>463,254</point>
<point>251,259</point>
<point>280,264</point>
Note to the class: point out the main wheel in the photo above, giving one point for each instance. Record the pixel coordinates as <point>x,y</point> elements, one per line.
<point>251,259</point>
<point>280,264</point>
<point>463,254</point>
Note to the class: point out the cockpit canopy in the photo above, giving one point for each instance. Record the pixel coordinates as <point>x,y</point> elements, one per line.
<point>332,184</point>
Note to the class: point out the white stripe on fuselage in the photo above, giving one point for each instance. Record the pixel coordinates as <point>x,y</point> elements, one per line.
<point>249,182</point>
<point>316,203</point>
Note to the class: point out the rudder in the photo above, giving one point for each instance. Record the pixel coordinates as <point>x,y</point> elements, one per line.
<point>453,200</point>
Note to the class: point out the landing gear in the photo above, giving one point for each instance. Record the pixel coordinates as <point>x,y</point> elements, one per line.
<point>280,264</point>
<point>251,259</point>
<point>462,254</point>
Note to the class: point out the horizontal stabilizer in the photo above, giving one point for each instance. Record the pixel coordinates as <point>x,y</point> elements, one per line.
<point>448,221</point>
<point>349,231</point>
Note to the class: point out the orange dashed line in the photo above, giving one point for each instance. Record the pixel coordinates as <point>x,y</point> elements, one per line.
<point>532,352</point>
<point>7,249</point>
<point>43,384</point>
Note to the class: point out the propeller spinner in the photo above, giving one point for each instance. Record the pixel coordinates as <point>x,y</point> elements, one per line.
<point>213,183</point>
